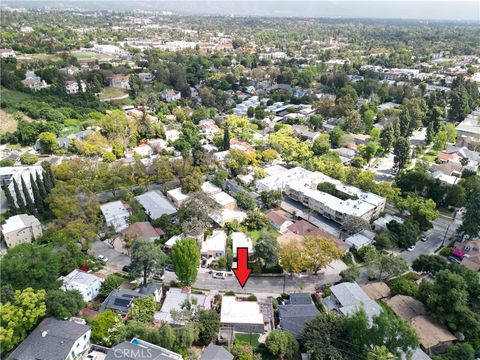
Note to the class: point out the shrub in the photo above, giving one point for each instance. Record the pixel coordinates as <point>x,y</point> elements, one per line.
<point>403,286</point>
<point>28,159</point>
<point>230,293</point>
<point>252,298</point>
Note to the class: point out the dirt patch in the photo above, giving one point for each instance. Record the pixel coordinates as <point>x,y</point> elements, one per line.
<point>7,123</point>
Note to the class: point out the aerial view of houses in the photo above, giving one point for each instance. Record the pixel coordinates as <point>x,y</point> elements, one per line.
<point>194,180</point>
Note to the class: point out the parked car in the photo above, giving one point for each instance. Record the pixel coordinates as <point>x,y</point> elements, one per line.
<point>411,248</point>
<point>424,238</point>
<point>169,267</point>
<point>454,259</point>
<point>158,276</point>
<point>281,301</point>
<point>102,258</point>
<point>126,268</point>
<point>219,275</point>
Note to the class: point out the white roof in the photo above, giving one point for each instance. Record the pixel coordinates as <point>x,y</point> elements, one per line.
<point>80,278</point>
<point>240,312</point>
<point>358,240</point>
<point>170,242</point>
<point>448,179</point>
<point>19,222</point>
<point>156,204</point>
<point>209,188</point>
<point>227,215</point>
<point>384,220</point>
<point>216,242</point>
<point>223,198</point>
<point>240,239</point>
<point>116,215</point>
<point>178,195</point>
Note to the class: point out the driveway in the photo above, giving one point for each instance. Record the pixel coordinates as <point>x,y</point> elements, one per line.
<point>116,260</point>
<point>384,168</point>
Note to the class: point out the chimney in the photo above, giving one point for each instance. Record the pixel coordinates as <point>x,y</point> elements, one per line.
<point>44,333</point>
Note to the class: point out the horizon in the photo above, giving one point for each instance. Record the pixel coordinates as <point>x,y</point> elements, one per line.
<point>426,10</point>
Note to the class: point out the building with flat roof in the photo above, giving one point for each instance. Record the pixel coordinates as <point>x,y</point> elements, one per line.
<point>177,197</point>
<point>138,349</point>
<point>116,215</point>
<point>214,245</point>
<point>243,316</point>
<point>156,204</point>
<point>470,126</point>
<point>224,200</point>
<point>17,173</point>
<point>20,229</point>
<point>87,284</point>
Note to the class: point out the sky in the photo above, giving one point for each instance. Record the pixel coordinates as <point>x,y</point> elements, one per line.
<point>387,9</point>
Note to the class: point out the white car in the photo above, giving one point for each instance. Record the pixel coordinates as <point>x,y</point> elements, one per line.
<point>411,248</point>
<point>102,258</point>
<point>219,275</point>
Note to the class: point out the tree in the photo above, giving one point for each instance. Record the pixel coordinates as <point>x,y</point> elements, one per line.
<point>351,274</point>
<point>429,263</point>
<point>471,219</point>
<point>143,309</point>
<point>354,224</point>
<point>108,329</point>
<point>368,120</point>
<point>48,142</point>
<point>321,144</point>
<point>19,316</point>
<point>403,286</point>
<point>27,197</point>
<point>463,351</point>
<point>267,249</point>
<point>186,257</point>
<point>112,282</point>
<point>421,211</point>
<point>37,197</point>
<point>320,251</point>
<point>167,336</point>
<point>115,124</point>
<point>292,258</point>
<point>209,324</point>
<point>401,152</point>
<point>146,258</point>
<point>195,214</point>
<point>316,121</point>
<point>271,199</point>
<point>242,351</point>
<point>255,220</point>
<point>12,207</point>
<point>459,103</point>
<point>380,353</point>
<point>27,265</point>
<point>281,344</point>
<point>18,196</point>
<point>193,182</point>
<point>64,304</point>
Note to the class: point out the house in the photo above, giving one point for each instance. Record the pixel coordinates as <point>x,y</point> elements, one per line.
<point>138,349</point>
<point>433,337</point>
<point>243,316</point>
<point>376,290</point>
<point>279,219</point>
<point>304,229</point>
<point>215,352</point>
<point>10,173</point>
<point>156,204</point>
<point>240,239</point>
<point>214,245</point>
<point>69,70</point>
<point>6,53</point>
<point>226,215</point>
<point>87,284</point>
<point>361,239</point>
<point>305,133</point>
<point>382,222</point>
<point>471,253</point>
<point>470,126</point>
<point>175,298</point>
<point>144,150</point>
<point>146,77</point>
<point>348,297</point>
<point>142,230</point>
<point>225,200</point>
<point>34,82</point>
<point>116,215</point>
<point>54,339</point>
<point>72,87</point>
<point>121,300</point>
<point>210,189</point>
<point>120,82</point>
<point>177,197</point>
<point>20,229</point>
<point>170,95</point>
<point>299,310</point>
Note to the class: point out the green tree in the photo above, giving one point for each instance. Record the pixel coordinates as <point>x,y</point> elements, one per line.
<point>143,309</point>
<point>459,104</point>
<point>209,324</point>
<point>271,199</point>
<point>192,182</point>
<point>255,220</point>
<point>111,283</point>
<point>22,209</point>
<point>27,265</point>
<point>115,124</point>
<point>267,249</point>
<point>37,197</point>
<point>316,122</point>
<point>28,198</point>
<point>242,351</point>
<point>12,207</point>
<point>401,152</point>
<point>146,258</point>
<point>351,274</point>
<point>19,316</point>
<point>321,144</point>
<point>368,120</point>
<point>167,336</point>
<point>281,344</point>
<point>64,304</point>
<point>319,252</point>
<point>462,351</point>
<point>429,263</point>
<point>387,137</point>
<point>48,142</point>
<point>380,353</point>
<point>471,220</point>
<point>186,257</point>
<point>108,329</point>
<point>354,224</point>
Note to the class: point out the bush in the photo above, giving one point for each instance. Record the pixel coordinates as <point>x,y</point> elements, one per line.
<point>403,286</point>
<point>230,293</point>
<point>5,163</point>
<point>28,159</point>
<point>252,298</point>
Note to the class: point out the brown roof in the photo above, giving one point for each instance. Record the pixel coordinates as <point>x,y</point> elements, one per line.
<point>406,307</point>
<point>289,236</point>
<point>304,228</point>
<point>376,290</point>
<point>447,168</point>
<point>277,216</point>
<point>143,230</point>
<point>471,249</point>
<point>430,333</point>
<point>443,156</point>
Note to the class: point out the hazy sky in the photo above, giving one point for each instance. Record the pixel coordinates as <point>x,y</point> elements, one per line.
<point>390,9</point>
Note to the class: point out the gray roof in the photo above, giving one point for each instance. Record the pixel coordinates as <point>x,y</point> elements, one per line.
<point>215,352</point>
<point>150,289</point>
<point>140,350</point>
<point>119,301</point>
<point>55,344</point>
<point>156,204</point>
<point>299,311</point>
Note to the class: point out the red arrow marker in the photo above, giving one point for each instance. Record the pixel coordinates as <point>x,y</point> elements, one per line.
<point>242,272</point>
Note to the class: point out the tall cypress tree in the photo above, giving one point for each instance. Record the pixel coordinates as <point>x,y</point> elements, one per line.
<point>37,198</point>
<point>10,200</point>
<point>28,198</point>
<point>47,182</point>
<point>50,174</point>
<point>18,195</point>
<point>41,186</point>
<point>226,138</point>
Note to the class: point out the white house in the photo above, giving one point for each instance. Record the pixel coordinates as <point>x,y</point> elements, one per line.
<point>20,229</point>
<point>120,82</point>
<point>116,215</point>
<point>177,197</point>
<point>214,245</point>
<point>279,219</point>
<point>172,135</point>
<point>243,316</point>
<point>171,95</point>
<point>87,284</point>
<point>240,239</point>
<point>143,150</point>
<point>71,86</point>
<point>6,53</point>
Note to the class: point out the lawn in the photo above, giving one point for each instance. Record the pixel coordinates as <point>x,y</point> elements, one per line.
<point>251,339</point>
<point>255,234</point>
<point>84,55</point>
<point>11,98</point>
<point>110,92</point>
